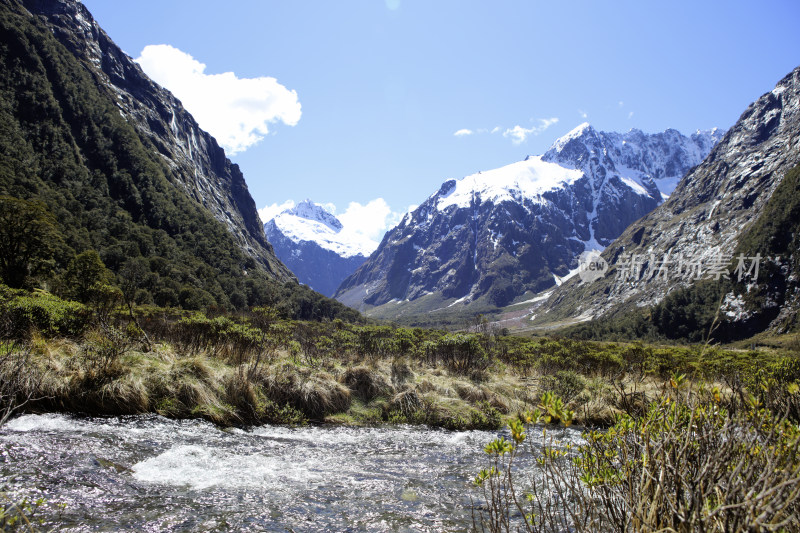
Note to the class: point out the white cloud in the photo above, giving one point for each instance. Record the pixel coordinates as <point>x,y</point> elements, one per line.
<point>269,212</point>
<point>371,220</point>
<point>462,132</point>
<point>518,134</point>
<point>620,103</point>
<point>630,115</point>
<point>583,114</point>
<point>236,111</point>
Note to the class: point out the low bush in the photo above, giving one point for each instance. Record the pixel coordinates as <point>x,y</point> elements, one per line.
<point>46,313</point>
<point>459,353</point>
<point>687,464</point>
<point>564,384</point>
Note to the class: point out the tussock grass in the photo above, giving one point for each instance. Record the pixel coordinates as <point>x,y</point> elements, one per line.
<point>202,383</point>
<point>252,369</point>
<point>401,372</point>
<point>406,402</point>
<point>471,393</point>
<point>366,383</point>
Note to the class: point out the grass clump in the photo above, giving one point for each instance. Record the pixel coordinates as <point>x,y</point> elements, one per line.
<point>366,383</point>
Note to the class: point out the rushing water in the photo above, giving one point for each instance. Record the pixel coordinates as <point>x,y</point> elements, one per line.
<point>148,473</point>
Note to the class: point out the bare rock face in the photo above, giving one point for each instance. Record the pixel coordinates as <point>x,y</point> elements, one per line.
<point>497,235</point>
<point>197,162</point>
<point>710,210</point>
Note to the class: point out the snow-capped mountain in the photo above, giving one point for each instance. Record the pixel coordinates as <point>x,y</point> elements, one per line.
<point>724,207</point>
<point>649,165</point>
<point>494,236</point>
<point>315,246</point>
<point>663,157</point>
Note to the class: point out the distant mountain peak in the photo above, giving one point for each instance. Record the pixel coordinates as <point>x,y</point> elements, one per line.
<point>492,236</point>
<point>579,131</point>
<point>310,222</point>
<point>315,245</point>
<point>315,212</point>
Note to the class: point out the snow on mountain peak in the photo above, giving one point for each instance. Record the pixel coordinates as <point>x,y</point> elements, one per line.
<point>315,212</point>
<point>573,134</point>
<point>651,160</point>
<point>523,179</point>
<point>308,221</point>
<point>649,164</point>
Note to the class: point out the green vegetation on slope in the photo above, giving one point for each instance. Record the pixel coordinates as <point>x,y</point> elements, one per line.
<point>73,163</point>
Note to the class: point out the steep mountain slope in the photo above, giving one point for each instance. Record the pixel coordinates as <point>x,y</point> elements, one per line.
<point>708,221</point>
<point>195,160</point>
<point>494,236</point>
<point>312,243</point>
<point>122,166</point>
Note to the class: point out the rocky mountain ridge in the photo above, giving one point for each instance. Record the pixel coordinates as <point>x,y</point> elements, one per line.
<point>197,163</point>
<point>704,222</point>
<point>495,236</point>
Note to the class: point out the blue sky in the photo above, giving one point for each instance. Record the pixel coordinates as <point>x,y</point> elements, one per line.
<point>357,103</point>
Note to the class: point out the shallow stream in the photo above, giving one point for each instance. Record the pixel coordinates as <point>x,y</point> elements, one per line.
<point>149,473</point>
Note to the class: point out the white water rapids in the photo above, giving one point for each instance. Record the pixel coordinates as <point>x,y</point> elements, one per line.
<point>149,473</point>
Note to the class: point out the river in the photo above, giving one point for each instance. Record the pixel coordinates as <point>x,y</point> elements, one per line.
<point>149,473</point>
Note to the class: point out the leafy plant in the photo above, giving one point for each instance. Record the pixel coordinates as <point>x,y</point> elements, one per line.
<point>688,464</point>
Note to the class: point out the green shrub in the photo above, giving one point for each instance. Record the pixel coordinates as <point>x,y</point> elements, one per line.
<point>459,353</point>
<point>687,464</point>
<point>45,313</point>
<point>485,417</point>
<point>564,384</point>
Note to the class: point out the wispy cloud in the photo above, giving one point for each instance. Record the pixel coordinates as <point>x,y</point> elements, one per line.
<point>583,113</point>
<point>269,212</point>
<point>236,111</point>
<point>518,134</point>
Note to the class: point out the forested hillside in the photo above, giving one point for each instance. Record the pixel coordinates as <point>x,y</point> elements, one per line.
<point>72,160</point>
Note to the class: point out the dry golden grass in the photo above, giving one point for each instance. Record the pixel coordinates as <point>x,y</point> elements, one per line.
<point>69,376</point>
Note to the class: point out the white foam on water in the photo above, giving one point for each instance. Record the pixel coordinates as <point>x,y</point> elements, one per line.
<point>201,467</point>
<point>47,422</point>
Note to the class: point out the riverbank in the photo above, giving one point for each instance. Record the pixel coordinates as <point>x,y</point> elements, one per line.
<point>257,373</point>
<point>259,367</point>
<point>285,387</point>
<point>69,376</point>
